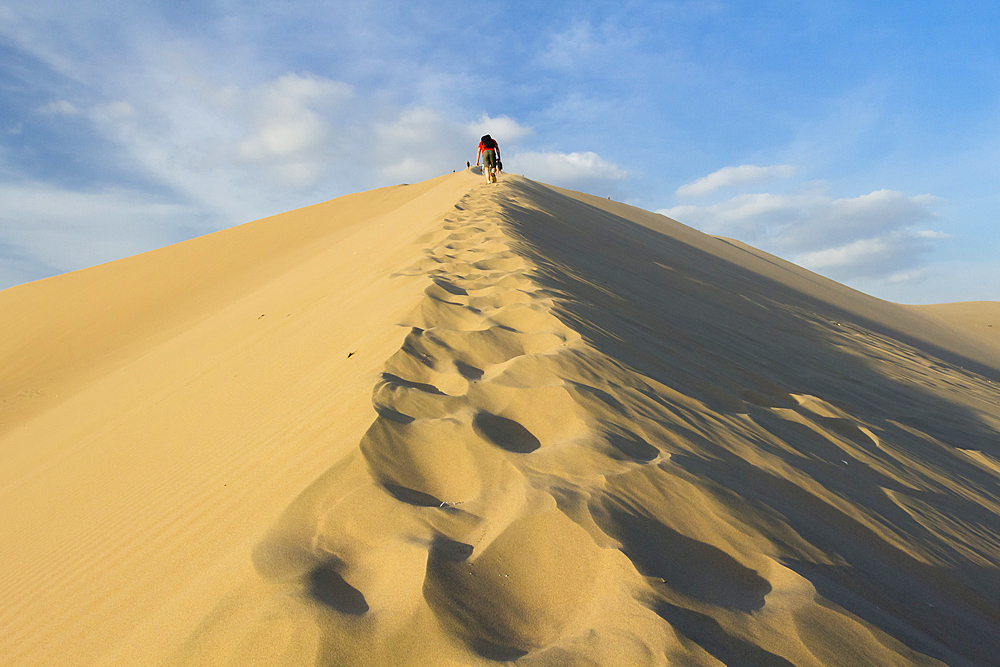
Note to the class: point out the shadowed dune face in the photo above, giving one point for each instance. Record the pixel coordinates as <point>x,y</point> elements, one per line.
<point>519,594</point>
<point>873,443</point>
<point>328,587</point>
<point>687,566</point>
<point>601,438</point>
<point>505,433</point>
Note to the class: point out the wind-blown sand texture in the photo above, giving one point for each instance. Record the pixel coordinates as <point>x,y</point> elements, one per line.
<point>456,424</point>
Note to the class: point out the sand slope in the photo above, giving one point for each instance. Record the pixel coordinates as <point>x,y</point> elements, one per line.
<point>456,424</point>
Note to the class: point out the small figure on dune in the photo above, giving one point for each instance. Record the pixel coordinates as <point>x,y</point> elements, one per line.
<point>489,150</point>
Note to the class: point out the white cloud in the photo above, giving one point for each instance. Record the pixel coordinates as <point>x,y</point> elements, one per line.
<point>928,234</point>
<point>499,128</point>
<point>284,116</point>
<point>974,279</point>
<point>862,250</point>
<point>568,48</point>
<point>895,257</point>
<point>222,154</point>
<point>113,111</point>
<point>564,168</point>
<point>421,143</point>
<point>728,177</point>
<point>226,147</point>
<point>593,47</point>
<point>414,127</point>
<point>288,126</point>
<point>182,108</point>
<point>911,276</point>
<point>840,221</point>
<point>45,229</point>
<point>408,170</point>
<point>751,217</point>
<point>60,108</point>
<point>873,235</point>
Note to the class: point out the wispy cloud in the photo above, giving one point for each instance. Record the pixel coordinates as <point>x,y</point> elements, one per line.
<point>571,47</point>
<point>421,142</point>
<point>895,256</point>
<point>59,108</point>
<point>216,143</point>
<point>46,230</point>
<point>285,119</point>
<point>565,168</point>
<point>874,235</point>
<point>728,177</point>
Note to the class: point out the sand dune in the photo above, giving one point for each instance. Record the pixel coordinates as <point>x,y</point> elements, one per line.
<point>458,424</point>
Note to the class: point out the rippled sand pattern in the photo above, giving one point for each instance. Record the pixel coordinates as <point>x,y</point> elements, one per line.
<point>602,438</point>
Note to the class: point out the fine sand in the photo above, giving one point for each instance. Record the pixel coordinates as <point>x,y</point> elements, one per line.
<point>454,423</point>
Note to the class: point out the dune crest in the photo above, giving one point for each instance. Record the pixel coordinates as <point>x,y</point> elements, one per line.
<point>598,437</point>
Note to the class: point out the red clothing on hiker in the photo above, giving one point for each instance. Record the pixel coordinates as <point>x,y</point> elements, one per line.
<point>483,148</point>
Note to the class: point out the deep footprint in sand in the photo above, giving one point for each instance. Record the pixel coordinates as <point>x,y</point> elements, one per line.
<point>426,462</point>
<point>505,433</point>
<point>520,593</point>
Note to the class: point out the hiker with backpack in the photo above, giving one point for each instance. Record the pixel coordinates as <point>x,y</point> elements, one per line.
<point>489,150</point>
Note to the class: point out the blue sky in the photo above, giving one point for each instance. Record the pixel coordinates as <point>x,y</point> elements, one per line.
<point>858,139</point>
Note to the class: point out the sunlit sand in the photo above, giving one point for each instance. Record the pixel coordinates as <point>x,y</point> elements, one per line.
<point>457,423</point>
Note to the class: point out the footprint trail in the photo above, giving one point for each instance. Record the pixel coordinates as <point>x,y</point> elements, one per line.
<point>485,445</point>
<point>523,496</point>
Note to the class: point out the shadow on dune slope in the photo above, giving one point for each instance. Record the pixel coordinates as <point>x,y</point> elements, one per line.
<point>871,423</point>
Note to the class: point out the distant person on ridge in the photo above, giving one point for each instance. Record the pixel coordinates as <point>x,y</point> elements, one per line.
<point>489,149</point>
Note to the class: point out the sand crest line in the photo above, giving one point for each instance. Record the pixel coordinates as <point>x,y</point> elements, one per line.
<point>480,314</point>
<point>477,422</point>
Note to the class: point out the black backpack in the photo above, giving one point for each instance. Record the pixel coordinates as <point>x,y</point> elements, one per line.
<point>488,142</point>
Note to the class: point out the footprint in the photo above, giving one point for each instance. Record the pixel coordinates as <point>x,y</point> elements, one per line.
<point>548,413</point>
<point>530,316</point>
<point>412,496</point>
<point>432,313</point>
<point>501,264</point>
<point>390,379</point>
<point>631,445</point>
<point>451,550</point>
<point>422,363</point>
<point>494,345</point>
<point>467,371</point>
<point>507,281</point>
<point>424,463</point>
<point>450,288</point>
<point>686,565</point>
<point>327,586</point>
<point>438,292</point>
<point>499,298</point>
<point>404,402</point>
<point>505,433</point>
<point>522,592</point>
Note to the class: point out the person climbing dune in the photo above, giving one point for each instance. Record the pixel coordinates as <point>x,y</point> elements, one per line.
<point>489,150</point>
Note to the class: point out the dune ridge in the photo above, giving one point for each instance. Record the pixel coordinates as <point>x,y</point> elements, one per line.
<point>601,438</point>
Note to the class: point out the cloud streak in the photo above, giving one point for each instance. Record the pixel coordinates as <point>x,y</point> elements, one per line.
<point>565,168</point>
<point>877,235</point>
<point>215,143</point>
<point>729,177</point>
<point>46,230</point>
<point>422,143</point>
